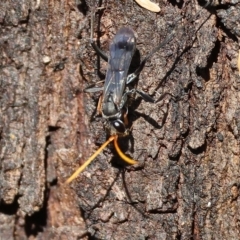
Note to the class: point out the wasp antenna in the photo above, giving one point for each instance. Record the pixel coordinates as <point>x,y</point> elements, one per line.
<point>80,169</point>
<point>121,154</point>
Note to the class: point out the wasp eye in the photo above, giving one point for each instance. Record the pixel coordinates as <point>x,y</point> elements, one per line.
<point>119,126</point>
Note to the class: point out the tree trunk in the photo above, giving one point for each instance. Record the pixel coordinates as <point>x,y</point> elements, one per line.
<point>186,185</point>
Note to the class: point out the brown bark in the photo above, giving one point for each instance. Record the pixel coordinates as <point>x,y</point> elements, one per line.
<point>186,185</point>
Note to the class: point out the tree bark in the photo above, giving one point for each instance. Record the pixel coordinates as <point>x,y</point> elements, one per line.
<point>186,185</point>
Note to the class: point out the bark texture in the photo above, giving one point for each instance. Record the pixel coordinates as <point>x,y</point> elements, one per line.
<point>186,185</point>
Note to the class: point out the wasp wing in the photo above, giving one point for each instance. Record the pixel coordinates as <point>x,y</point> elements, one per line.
<point>121,53</point>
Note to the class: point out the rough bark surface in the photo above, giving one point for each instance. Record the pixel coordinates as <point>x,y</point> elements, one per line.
<point>186,185</point>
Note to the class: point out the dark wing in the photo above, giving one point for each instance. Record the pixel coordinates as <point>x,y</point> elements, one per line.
<point>121,53</point>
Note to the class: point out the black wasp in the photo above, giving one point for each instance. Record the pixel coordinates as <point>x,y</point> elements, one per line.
<point>113,104</point>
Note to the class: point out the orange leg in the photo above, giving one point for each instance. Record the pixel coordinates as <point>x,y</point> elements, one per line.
<point>99,106</point>
<point>80,169</point>
<point>121,154</point>
<point>125,119</point>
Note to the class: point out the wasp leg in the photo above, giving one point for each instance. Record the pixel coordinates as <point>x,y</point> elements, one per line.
<point>94,45</point>
<point>145,97</point>
<point>80,169</point>
<point>99,106</point>
<point>93,89</point>
<point>125,119</point>
<point>133,76</point>
<point>121,154</point>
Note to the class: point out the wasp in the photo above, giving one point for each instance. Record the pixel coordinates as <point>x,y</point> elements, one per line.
<point>113,104</point>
